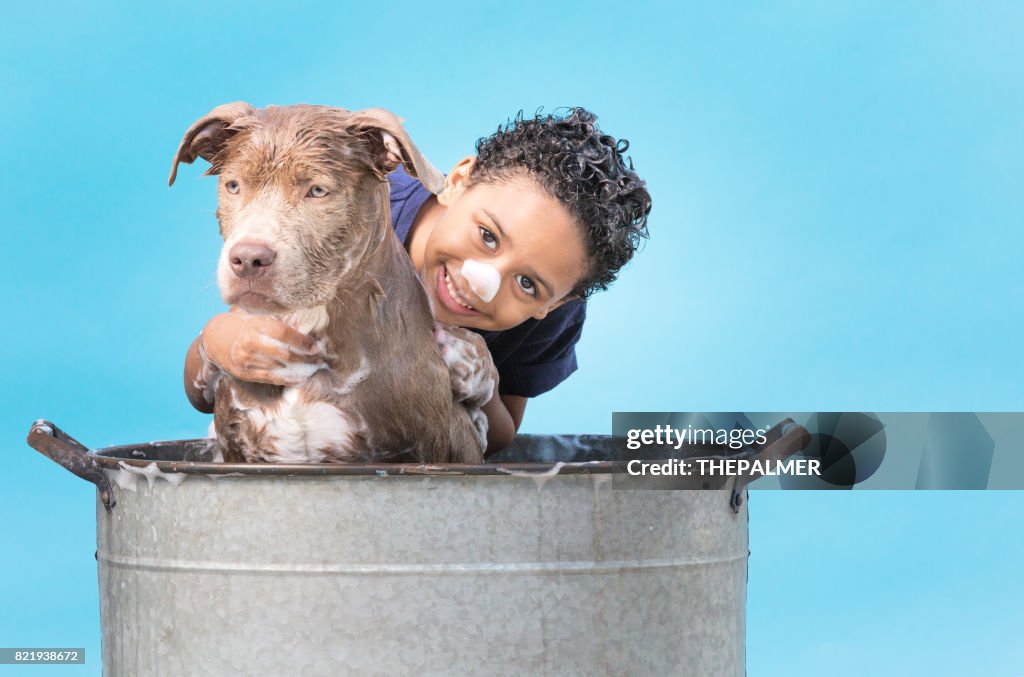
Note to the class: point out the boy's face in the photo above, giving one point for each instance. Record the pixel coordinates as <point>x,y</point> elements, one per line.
<point>524,251</point>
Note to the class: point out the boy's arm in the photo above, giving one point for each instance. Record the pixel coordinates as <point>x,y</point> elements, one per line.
<point>252,348</point>
<point>504,414</point>
<point>516,407</point>
<point>199,384</point>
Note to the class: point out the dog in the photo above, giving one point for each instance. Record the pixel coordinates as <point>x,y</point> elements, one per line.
<point>304,212</point>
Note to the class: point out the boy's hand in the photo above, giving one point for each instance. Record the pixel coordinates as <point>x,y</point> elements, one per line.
<point>470,366</point>
<point>261,349</point>
<point>474,381</point>
<point>474,378</point>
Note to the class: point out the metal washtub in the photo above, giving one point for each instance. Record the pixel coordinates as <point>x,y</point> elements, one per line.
<point>533,563</point>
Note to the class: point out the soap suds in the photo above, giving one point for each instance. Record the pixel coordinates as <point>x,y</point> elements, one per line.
<point>41,425</point>
<point>127,476</point>
<point>355,378</point>
<point>307,320</point>
<point>297,372</point>
<point>539,478</point>
<point>483,278</point>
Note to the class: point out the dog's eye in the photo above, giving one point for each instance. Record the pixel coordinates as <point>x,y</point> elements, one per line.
<point>317,191</point>
<point>232,187</point>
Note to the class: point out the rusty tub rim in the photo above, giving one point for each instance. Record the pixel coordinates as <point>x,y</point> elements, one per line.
<point>783,440</point>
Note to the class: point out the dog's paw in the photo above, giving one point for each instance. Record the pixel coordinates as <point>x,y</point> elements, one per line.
<point>470,366</point>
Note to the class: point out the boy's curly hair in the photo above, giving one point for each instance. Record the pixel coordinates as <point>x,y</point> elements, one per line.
<point>583,169</point>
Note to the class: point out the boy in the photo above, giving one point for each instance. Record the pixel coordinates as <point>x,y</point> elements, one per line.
<point>546,213</point>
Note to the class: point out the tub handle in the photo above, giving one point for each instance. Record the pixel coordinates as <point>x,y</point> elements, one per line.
<point>792,438</point>
<point>69,453</point>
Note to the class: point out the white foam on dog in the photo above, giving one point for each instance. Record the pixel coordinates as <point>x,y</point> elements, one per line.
<point>484,279</point>
<point>305,431</point>
<point>297,372</point>
<point>355,378</point>
<point>307,320</point>
<point>293,372</point>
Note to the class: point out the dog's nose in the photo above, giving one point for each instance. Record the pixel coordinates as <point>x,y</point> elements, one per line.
<point>250,258</point>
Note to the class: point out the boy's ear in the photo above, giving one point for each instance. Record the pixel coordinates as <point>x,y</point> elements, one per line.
<point>541,314</point>
<point>457,181</point>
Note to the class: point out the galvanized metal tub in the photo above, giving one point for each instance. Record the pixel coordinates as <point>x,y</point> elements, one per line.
<point>515,566</point>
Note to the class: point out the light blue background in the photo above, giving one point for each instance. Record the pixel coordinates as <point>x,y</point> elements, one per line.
<point>837,225</point>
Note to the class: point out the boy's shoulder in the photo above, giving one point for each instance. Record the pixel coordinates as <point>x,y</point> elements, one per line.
<point>535,356</point>
<point>565,318</point>
<point>407,198</point>
<point>401,183</point>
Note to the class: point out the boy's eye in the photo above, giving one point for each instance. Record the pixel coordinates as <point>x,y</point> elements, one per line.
<point>232,187</point>
<point>527,285</point>
<point>317,191</point>
<point>488,238</point>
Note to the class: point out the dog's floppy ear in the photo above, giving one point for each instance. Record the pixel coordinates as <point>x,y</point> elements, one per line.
<point>207,135</point>
<point>396,147</point>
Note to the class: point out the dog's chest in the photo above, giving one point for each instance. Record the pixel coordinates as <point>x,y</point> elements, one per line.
<point>293,429</point>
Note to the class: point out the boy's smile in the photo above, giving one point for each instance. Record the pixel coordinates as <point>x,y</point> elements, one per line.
<point>492,255</point>
<point>451,295</point>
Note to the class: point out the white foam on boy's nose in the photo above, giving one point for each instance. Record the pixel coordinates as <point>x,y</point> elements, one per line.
<point>484,279</point>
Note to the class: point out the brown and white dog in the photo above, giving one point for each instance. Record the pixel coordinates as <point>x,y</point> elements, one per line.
<point>305,216</point>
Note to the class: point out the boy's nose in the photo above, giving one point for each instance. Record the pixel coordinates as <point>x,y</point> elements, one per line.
<point>483,278</point>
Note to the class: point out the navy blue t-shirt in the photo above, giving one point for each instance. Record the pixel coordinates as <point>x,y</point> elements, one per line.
<point>533,357</point>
